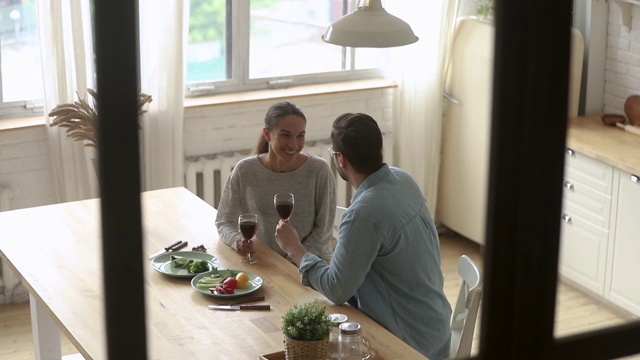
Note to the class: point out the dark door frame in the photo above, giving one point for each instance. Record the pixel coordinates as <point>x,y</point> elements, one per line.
<point>528,138</point>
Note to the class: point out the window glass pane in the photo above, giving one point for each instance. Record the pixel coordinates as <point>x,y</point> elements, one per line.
<point>481,8</point>
<point>371,58</point>
<point>20,51</point>
<point>207,48</point>
<point>286,38</point>
<point>232,44</point>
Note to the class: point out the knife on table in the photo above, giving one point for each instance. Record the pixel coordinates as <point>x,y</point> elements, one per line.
<point>239,307</point>
<point>173,247</point>
<point>246,300</point>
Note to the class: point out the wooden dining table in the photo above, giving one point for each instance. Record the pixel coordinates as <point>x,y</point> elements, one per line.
<point>56,250</point>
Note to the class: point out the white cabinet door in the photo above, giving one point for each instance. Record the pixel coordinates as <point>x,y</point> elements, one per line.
<point>586,209</point>
<point>625,264</point>
<point>583,252</point>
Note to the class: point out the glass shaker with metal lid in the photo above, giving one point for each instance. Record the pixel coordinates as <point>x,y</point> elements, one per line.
<point>353,346</point>
<point>334,335</point>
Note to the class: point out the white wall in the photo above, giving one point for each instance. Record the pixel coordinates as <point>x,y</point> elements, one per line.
<point>236,126</point>
<point>25,166</point>
<point>622,74</point>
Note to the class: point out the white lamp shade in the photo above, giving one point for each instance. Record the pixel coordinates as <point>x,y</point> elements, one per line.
<point>370,26</point>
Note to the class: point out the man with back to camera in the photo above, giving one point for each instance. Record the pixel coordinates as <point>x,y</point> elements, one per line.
<point>388,251</point>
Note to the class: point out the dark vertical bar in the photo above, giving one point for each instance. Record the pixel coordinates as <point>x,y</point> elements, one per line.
<point>609,343</point>
<point>116,47</point>
<point>527,141</point>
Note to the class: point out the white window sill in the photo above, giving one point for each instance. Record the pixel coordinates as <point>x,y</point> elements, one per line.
<point>311,90</point>
<point>21,122</point>
<point>298,91</point>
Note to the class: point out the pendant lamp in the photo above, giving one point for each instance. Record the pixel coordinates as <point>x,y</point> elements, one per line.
<point>370,25</point>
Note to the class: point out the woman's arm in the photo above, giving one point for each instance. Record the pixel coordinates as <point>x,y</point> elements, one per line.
<point>318,241</point>
<point>228,209</point>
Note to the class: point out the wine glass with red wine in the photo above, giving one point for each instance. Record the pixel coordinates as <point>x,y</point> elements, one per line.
<point>248,226</point>
<point>284,205</point>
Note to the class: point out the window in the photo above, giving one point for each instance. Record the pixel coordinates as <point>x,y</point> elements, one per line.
<point>233,45</point>
<point>237,45</point>
<point>21,90</point>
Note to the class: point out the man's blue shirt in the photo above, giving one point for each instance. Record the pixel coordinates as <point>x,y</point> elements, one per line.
<point>388,256</point>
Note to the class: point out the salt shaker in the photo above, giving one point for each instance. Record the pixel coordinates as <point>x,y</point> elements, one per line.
<point>351,341</point>
<point>334,335</point>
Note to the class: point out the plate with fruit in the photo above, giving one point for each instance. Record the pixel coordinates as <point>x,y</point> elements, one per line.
<point>186,264</point>
<point>226,283</point>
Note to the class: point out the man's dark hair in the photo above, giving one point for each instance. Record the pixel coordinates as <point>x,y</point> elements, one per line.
<point>358,138</point>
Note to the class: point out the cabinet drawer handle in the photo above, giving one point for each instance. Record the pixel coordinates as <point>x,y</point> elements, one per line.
<point>570,152</point>
<point>635,179</point>
<point>566,218</point>
<point>568,185</point>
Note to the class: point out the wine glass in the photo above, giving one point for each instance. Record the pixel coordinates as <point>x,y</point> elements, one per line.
<point>248,225</point>
<point>284,205</point>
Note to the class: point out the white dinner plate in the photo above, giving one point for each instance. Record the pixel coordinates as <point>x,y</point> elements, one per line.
<point>255,282</point>
<point>163,265</point>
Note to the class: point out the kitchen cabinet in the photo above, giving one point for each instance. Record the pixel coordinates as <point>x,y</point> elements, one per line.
<point>600,232</point>
<point>586,210</point>
<point>624,289</point>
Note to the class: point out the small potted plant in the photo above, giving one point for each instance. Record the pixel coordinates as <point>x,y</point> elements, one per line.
<point>306,331</point>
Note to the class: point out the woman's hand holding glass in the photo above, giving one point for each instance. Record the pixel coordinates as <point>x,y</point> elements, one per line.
<point>244,247</point>
<point>248,226</point>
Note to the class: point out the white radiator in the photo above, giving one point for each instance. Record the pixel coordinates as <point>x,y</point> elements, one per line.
<point>11,290</point>
<point>207,175</point>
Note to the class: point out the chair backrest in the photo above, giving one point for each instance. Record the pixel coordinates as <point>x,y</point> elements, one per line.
<point>336,224</point>
<point>465,313</point>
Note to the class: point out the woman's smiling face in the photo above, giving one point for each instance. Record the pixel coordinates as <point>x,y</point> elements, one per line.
<point>286,139</point>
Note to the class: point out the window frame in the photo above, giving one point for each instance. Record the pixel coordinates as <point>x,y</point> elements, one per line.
<point>525,193</point>
<point>19,108</point>
<point>518,326</point>
<point>238,37</point>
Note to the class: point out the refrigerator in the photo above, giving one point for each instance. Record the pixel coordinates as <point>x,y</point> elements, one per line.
<point>464,170</point>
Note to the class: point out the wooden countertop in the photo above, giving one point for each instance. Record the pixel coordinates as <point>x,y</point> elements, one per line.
<point>609,144</point>
<point>59,263</point>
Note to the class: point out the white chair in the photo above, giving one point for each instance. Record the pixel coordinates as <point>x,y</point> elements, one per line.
<point>465,313</point>
<point>336,225</point>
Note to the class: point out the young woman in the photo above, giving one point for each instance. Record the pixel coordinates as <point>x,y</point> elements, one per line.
<point>279,165</point>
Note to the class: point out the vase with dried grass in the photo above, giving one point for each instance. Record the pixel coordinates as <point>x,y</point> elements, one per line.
<point>306,329</point>
<point>80,118</point>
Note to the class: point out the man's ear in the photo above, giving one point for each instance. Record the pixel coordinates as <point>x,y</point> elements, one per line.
<point>342,160</point>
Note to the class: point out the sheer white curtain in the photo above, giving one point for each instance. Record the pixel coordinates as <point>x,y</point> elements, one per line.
<point>418,113</point>
<point>67,61</point>
<point>163,31</point>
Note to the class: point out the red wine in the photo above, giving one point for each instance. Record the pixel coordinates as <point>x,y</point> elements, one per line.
<point>248,228</point>
<point>284,209</point>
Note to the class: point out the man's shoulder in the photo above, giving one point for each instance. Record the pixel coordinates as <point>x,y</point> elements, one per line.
<point>400,171</point>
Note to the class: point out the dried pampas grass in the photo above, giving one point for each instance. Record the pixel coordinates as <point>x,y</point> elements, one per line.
<point>81,117</point>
